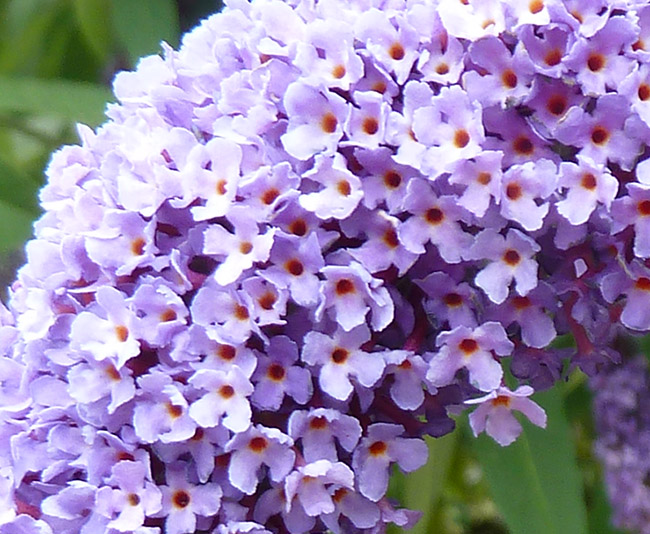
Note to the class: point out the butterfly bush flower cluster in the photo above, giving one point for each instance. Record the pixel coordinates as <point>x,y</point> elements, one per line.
<point>306,239</point>
<point>621,404</point>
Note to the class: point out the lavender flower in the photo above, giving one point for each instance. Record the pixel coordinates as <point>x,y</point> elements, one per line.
<point>309,237</point>
<point>620,412</point>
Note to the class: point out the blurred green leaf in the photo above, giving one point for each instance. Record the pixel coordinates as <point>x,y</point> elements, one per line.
<point>28,26</point>
<point>15,226</point>
<point>18,190</point>
<point>51,53</point>
<point>141,25</point>
<point>423,489</point>
<point>600,513</point>
<point>92,17</point>
<point>76,101</point>
<point>535,482</point>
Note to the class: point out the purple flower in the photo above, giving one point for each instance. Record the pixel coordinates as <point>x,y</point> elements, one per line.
<point>587,185</point>
<point>341,190</point>
<point>277,375</point>
<point>377,450</point>
<point>107,334</point>
<point>315,120</point>
<point>317,429</point>
<point>182,501</point>
<point>163,413</point>
<point>434,219</point>
<point>258,445</point>
<point>634,208</point>
<point>225,399</point>
<point>132,500</point>
<point>597,60</point>
<point>494,414</point>
<point>308,484</point>
<point>340,358</point>
<point>350,292</point>
<point>472,349</point>
<point>510,259</point>
<point>312,222</point>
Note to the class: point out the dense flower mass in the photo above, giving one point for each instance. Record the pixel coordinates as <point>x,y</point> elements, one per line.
<point>303,240</point>
<point>621,403</point>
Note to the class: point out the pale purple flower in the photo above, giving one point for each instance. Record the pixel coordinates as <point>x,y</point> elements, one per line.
<point>340,358</point>
<point>494,413</point>
<point>635,285</point>
<point>272,502</point>
<point>132,500</point>
<point>213,175</point>
<point>634,209</point>
<point>224,313</point>
<point>123,243</point>
<point>317,429</point>
<point>338,64</point>
<point>393,48</point>
<point>408,371</point>
<point>163,412</point>
<point>278,375</point>
<point>382,446</point>
<point>481,177</point>
<point>530,313</point>
<point>587,184</point>
<point>366,124</point>
<point>350,292</point>
<point>183,501</point>
<point>507,76</point>
<point>434,219</point>
<point>350,505</point>
<point>467,21</point>
<point>91,382</point>
<point>259,445</point>
<point>309,485</point>
<point>472,349</point>
<point>442,60</point>
<point>399,130</point>
<point>341,190</point>
<point>598,61</point>
<point>107,332</point>
<point>510,259</point>
<point>603,134</point>
<point>547,49</point>
<point>315,120</point>
<point>451,128</point>
<point>239,250</point>
<point>522,187</point>
<point>382,247</point>
<point>387,180</point>
<point>266,190</point>
<point>225,400</point>
<point>295,264</point>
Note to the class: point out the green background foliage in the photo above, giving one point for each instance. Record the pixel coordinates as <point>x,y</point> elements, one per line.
<point>57,58</point>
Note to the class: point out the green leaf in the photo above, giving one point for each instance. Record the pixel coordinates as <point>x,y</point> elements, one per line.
<point>28,25</point>
<point>15,226</point>
<point>91,17</point>
<point>141,25</point>
<point>18,190</point>
<point>535,482</point>
<point>75,101</point>
<point>422,490</point>
<point>600,512</point>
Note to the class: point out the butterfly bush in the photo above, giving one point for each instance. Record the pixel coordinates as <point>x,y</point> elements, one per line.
<point>307,239</point>
<point>621,402</point>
